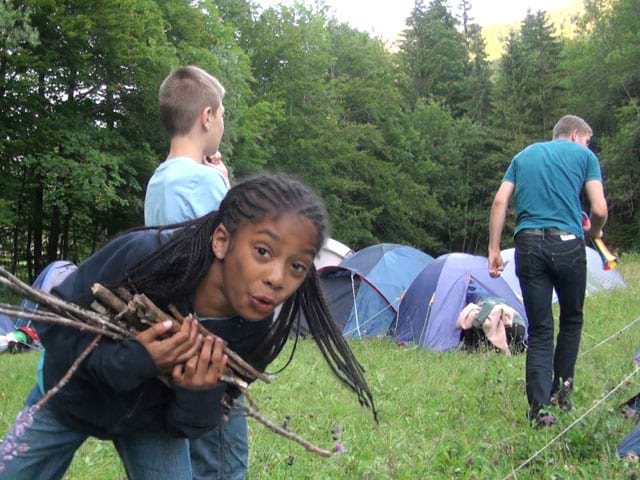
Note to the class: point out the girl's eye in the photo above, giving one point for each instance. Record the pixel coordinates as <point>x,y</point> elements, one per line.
<point>262,251</point>
<point>299,267</point>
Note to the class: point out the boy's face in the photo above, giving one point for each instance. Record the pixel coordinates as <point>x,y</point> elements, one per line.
<point>216,129</point>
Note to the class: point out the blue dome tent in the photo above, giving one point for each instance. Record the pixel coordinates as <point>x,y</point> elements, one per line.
<point>431,305</point>
<point>364,291</point>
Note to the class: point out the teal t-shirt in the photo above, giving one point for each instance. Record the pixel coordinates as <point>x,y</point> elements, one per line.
<point>548,179</point>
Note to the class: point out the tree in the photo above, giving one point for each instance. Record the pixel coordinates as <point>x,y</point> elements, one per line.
<point>478,77</point>
<point>529,88</point>
<point>604,81</point>
<point>434,56</point>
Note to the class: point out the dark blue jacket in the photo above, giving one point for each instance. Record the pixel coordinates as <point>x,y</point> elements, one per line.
<point>116,390</point>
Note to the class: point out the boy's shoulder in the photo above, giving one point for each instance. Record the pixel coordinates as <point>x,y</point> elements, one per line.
<point>184,168</point>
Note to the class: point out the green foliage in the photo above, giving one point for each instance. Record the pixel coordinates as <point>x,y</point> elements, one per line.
<point>434,56</point>
<point>405,147</point>
<point>564,18</point>
<point>15,29</point>
<point>531,64</point>
<point>605,84</point>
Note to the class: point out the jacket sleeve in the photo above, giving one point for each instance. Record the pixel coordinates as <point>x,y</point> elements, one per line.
<point>195,412</point>
<point>122,365</point>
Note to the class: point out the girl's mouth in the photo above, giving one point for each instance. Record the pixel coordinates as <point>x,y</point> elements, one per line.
<point>262,304</point>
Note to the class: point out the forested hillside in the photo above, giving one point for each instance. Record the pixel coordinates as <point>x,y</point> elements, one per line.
<point>405,147</point>
<point>564,20</point>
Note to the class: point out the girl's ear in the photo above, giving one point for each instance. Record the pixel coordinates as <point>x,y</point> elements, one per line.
<point>220,241</point>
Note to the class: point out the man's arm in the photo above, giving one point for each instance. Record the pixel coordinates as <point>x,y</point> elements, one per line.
<point>496,224</point>
<point>599,210</point>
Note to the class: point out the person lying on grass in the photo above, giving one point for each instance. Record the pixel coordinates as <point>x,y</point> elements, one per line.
<point>230,269</point>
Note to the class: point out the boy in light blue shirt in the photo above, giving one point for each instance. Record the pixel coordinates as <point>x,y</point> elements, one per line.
<point>193,180</point>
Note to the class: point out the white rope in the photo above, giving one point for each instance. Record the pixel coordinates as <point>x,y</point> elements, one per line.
<point>355,306</point>
<point>426,320</point>
<point>575,422</point>
<point>612,336</point>
<point>370,318</point>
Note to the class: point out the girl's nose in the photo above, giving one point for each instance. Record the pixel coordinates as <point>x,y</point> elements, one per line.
<point>276,275</point>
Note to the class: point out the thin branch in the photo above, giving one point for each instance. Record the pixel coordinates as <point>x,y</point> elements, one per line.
<point>55,303</point>
<point>57,320</point>
<point>74,366</point>
<point>112,301</point>
<point>250,412</point>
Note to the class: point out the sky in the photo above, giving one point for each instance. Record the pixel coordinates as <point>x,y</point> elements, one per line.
<point>386,18</point>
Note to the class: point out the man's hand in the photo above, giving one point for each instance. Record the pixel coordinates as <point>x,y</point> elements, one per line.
<point>496,265</point>
<point>176,349</point>
<point>215,161</point>
<point>590,232</point>
<point>202,371</point>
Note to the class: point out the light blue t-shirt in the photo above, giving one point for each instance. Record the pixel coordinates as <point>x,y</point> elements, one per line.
<point>548,179</point>
<point>181,189</point>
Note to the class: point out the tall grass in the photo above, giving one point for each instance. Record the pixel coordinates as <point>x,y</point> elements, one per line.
<point>442,416</point>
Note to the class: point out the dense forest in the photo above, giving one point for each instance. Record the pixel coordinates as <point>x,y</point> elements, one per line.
<point>406,146</point>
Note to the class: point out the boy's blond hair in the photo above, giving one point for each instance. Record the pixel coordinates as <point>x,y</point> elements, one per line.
<point>570,123</point>
<point>184,94</point>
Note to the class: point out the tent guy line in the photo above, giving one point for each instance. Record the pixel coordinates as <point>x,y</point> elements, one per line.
<point>573,424</point>
<point>611,336</point>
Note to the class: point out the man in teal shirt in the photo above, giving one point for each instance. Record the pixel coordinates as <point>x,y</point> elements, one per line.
<point>547,179</point>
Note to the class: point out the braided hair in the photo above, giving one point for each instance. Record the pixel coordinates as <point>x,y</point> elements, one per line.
<point>177,267</point>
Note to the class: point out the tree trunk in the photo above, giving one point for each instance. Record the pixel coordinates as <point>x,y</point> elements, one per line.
<point>94,240</point>
<point>28,254</point>
<point>54,236</point>
<point>14,252</point>
<point>37,220</point>
<point>65,236</point>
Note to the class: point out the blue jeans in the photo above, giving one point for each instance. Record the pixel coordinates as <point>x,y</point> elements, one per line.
<point>630,443</point>
<point>46,448</point>
<point>223,453</point>
<point>545,262</point>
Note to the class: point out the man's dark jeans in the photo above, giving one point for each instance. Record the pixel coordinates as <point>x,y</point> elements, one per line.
<point>545,262</point>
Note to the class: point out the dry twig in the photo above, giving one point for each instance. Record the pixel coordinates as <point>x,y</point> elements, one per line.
<point>251,412</point>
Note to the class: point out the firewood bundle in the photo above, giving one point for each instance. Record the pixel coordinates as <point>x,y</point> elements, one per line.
<point>119,316</point>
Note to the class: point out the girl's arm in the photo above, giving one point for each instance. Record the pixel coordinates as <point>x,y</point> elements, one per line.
<point>123,365</point>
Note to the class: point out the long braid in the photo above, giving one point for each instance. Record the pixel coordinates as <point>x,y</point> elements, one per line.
<point>177,267</point>
<point>331,343</point>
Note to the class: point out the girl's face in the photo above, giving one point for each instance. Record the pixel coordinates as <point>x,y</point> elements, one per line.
<point>263,263</point>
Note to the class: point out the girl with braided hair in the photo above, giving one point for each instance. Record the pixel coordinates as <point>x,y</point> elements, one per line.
<point>230,269</point>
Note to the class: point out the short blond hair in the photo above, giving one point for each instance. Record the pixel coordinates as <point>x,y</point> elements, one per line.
<point>568,124</point>
<point>184,94</point>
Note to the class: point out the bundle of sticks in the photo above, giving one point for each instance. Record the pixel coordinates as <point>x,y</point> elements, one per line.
<point>119,316</point>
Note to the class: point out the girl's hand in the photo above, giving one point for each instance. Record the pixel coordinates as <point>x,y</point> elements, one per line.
<point>202,371</point>
<point>176,349</point>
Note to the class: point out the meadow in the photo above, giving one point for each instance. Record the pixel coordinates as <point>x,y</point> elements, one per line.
<point>442,416</point>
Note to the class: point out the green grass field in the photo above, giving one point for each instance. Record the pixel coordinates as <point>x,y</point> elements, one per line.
<point>442,416</point>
